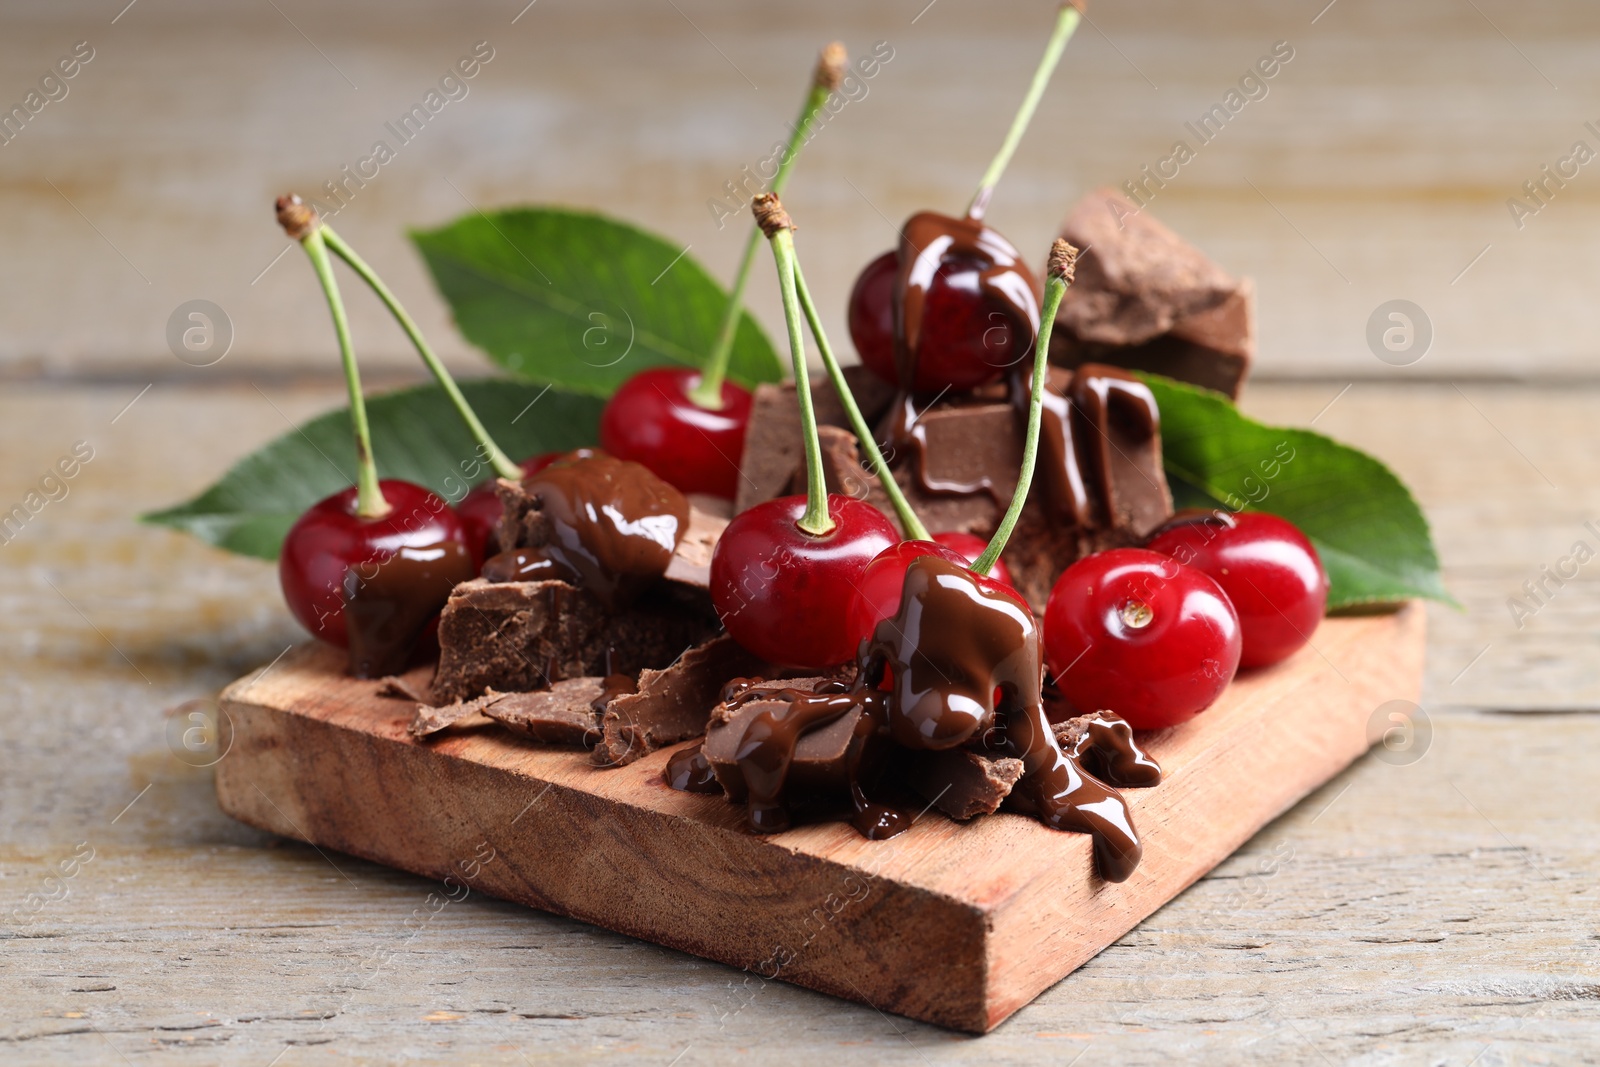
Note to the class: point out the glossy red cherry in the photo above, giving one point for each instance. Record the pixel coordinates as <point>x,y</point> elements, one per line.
<point>786,595</point>
<point>330,539</point>
<point>969,547</point>
<point>967,340</point>
<point>652,421</point>
<point>878,590</point>
<point>1137,633</point>
<point>480,508</point>
<point>1270,572</point>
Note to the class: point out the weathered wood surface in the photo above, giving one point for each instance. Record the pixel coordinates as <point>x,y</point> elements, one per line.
<point>1377,166</point>
<point>1433,911</point>
<point>953,924</point>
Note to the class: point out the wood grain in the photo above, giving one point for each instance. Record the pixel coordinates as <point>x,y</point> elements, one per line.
<point>956,924</point>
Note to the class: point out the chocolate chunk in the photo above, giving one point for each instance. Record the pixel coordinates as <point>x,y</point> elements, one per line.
<point>962,783</point>
<point>1145,299</point>
<point>431,720</point>
<point>564,714</point>
<point>416,685</point>
<point>521,636</point>
<point>672,704</point>
<point>821,763</point>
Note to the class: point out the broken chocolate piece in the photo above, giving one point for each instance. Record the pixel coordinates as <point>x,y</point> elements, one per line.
<point>564,714</point>
<point>520,636</point>
<point>416,685</point>
<point>962,783</point>
<point>671,704</point>
<point>430,720</point>
<point>1145,299</point>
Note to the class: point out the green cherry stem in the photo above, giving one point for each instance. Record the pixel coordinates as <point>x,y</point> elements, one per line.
<point>1066,25</point>
<point>826,78</point>
<point>1063,260</point>
<point>503,465</point>
<point>775,223</point>
<point>910,524</point>
<point>299,220</point>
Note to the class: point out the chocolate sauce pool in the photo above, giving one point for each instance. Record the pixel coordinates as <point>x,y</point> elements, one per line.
<point>607,525</point>
<point>958,665</point>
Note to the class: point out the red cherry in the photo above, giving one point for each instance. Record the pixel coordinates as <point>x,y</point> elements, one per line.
<point>480,509</point>
<point>786,595</point>
<point>967,340</point>
<point>652,421</point>
<point>969,547</point>
<point>1137,633</point>
<point>330,538</point>
<point>878,590</point>
<point>1265,565</point>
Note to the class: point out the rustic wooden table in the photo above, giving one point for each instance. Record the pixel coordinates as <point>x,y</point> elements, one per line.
<point>1434,905</point>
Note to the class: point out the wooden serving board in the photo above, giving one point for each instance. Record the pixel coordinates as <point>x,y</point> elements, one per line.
<point>955,924</point>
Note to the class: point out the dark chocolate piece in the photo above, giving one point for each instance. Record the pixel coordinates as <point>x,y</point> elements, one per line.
<point>386,612</point>
<point>1145,299</point>
<point>601,523</point>
<point>962,783</point>
<point>564,714</point>
<point>671,704</point>
<point>520,636</point>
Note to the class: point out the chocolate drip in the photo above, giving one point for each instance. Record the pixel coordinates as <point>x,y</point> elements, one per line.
<point>386,614</point>
<point>958,665</point>
<point>594,521</point>
<point>1103,744</point>
<point>1004,281</point>
<point>689,771</point>
<point>612,686</point>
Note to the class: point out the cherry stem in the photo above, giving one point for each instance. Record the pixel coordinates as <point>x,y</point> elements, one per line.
<point>503,465</point>
<point>370,501</point>
<point>1066,25</point>
<point>910,524</point>
<point>824,80</point>
<point>774,222</point>
<point>1063,259</point>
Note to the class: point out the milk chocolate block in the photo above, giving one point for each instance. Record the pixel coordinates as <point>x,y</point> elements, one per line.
<point>961,783</point>
<point>1146,299</point>
<point>672,704</point>
<point>520,636</point>
<point>821,764</point>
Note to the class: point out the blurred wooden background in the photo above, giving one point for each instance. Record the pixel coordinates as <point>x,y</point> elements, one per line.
<point>1377,166</point>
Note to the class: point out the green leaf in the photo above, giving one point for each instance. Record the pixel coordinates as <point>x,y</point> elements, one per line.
<point>416,436</point>
<point>582,301</point>
<point>1372,536</point>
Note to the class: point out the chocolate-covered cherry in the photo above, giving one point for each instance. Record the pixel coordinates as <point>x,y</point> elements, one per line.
<point>978,310</point>
<point>1268,568</point>
<point>330,540</point>
<point>786,595</point>
<point>969,547</point>
<point>1135,632</point>
<point>652,420</point>
<point>480,508</point>
<point>879,589</point>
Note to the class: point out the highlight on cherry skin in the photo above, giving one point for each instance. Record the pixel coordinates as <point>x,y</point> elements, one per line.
<point>330,539</point>
<point>785,594</point>
<point>1137,633</point>
<point>1269,569</point>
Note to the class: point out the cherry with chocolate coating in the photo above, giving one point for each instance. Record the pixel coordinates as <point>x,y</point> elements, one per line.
<point>879,590</point>
<point>330,539</point>
<point>651,420</point>
<point>967,338</point>
<point>1137,633</point>
<point>785,594</point>
<point>969,547</point>
<point>480,509</point>
<point>1268,568</point>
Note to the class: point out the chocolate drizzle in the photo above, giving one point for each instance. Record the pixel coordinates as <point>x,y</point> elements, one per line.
<point>927,242</point>
<point>959,665</point>
<point>1092,439</point>
<point>386,614</point>
<point>690,771</point>
<point>594,521</point>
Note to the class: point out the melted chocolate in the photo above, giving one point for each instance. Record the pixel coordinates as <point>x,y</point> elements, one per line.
<point>958,665</point>
<point>927,241</point>
<point>688,770</point>
<point>604,524</point>
<point>614,685</point>
<point>385,615</point>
